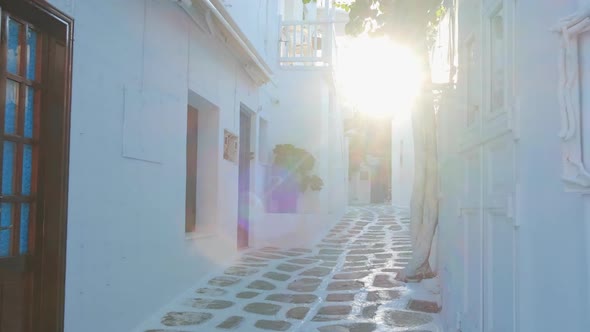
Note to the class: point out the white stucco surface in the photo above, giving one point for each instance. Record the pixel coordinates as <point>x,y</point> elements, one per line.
<point>137,65</point>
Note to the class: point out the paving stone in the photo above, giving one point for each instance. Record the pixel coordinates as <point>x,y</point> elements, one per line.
<point>330,252</point>
<point>262,308</point>
<point>354,269</point>
<point>276,276</point>
<point>176,318</point>
<point>302,261</point>
<point>262,285</point>
<point>292,298</point>
<point>356,258</point>
<point>265,255</point>
<point>385,281</point>
<point>370,311</point>
<point>303,250</point>
<point>273,325</point>
<point>231,323</point>
<point>345,285</point>
<point>329,264</point>
<point>304,285</point>
<point>297,313</point>
<point>354,264</point>
<point>324,318</point>
<point>251,260</point>
<point>253,264</point>
<point>291,253</point>
<point>246,295</point>
<point>351,275</point>
<point>270,249</point>
<point>327,258</point>
<point>423,306</point>
<point>383,256</point>
<point>356,327</point>
<point>316,272</point>
<point>399,318</point>
<point>163,331</point>
<point>365,251</point>
<point>223,281</point>
<point>288,267</point>
<point>208,304</point>
<point>383,295</point>
<point>240,271</point>
<point>331,310</point>
<point>211,291</point>
<point>340,297</point>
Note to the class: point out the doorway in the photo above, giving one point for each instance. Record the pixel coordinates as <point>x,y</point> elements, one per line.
<point>244,180</point>
<point>192,143</point>
<point>35,58</point>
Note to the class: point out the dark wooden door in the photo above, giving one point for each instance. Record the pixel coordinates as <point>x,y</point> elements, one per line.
<point>192,125</point>
<point>34,136</point>
<point>244,181</point>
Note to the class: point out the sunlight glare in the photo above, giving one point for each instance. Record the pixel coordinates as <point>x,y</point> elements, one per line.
<point>377,76</point>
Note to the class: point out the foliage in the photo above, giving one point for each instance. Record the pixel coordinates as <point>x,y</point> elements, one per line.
<point>409,22</point>
<point>299,163</point>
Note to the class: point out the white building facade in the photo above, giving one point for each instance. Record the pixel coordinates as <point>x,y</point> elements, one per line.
<point>175,109</point>
<point>513,246</point>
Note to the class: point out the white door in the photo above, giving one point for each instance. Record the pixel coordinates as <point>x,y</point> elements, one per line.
<point>488,148</point>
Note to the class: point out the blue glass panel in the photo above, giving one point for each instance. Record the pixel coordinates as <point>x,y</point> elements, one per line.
<point>31,53</point>
<point>5,221</point>
<point>29,111</point>
<point>27,169</point>
<point>13,56</point>
<point>24,228</point>
<point>5,214</point>
<point>4,243</point>
<point>10,107</point>
<point>8,168</point>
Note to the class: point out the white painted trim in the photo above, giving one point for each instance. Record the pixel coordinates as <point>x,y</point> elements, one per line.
<point>575,173</point>
<point>253,62</point>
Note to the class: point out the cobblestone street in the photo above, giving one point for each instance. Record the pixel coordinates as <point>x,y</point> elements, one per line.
<point>344,284</point>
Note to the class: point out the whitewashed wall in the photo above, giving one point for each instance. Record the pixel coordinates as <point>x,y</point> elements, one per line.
<point>137,64</point>
<point>541,237</point>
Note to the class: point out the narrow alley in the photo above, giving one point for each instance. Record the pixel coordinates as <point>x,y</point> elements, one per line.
<point>343,284</point>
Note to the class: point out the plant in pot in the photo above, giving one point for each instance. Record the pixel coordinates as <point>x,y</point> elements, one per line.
<point>293,167</point>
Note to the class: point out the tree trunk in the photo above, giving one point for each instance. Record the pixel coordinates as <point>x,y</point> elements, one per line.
<point>424,203</point>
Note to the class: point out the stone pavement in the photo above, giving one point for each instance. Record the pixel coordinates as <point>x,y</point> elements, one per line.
<point>344,284</point>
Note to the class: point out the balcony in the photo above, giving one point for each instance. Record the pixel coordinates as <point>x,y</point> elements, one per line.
<point>307,43</point>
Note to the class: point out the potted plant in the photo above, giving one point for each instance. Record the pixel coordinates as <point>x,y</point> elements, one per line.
<point>292,168</point>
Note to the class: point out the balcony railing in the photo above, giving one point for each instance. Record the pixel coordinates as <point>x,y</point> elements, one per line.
<point>307,43</point>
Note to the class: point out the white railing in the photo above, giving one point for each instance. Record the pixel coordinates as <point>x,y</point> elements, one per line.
<point>307,43</point>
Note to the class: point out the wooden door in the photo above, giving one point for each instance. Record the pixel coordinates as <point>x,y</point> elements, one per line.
<point>34,127</point>
<point>244,181</point>
<point>192,136</point>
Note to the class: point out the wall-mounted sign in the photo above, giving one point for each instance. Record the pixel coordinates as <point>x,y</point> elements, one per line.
<point>230,146</point>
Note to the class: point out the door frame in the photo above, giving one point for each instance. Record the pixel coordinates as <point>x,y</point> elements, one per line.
<point>47,308</point>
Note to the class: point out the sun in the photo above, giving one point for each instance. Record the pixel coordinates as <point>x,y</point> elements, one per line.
<point>377,76</point>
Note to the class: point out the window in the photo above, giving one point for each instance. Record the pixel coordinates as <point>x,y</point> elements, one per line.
<point>19,136</point>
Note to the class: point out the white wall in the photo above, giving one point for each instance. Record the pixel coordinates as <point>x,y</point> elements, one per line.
<point>550,265</point>
<point>402,161</point>
<point>127,253</point>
